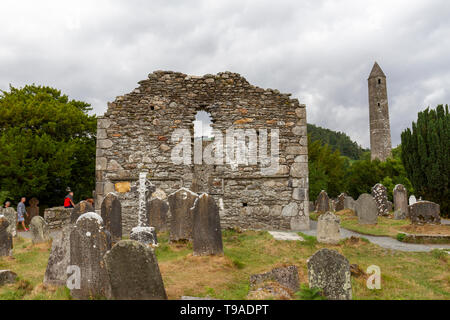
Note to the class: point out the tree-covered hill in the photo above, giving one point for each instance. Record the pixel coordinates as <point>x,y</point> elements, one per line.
<point>337,141</point>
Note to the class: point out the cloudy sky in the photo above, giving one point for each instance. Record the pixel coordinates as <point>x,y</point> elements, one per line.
<point>320,51</point>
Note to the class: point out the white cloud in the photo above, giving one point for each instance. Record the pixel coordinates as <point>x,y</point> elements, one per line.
<point>320,51</point>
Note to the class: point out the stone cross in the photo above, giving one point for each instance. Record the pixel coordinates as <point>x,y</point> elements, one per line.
<point>143,232</point>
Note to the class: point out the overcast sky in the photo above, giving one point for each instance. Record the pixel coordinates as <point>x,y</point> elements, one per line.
<point>320,51</point>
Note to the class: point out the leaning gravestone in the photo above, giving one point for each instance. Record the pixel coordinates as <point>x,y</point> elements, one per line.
<point>56,272</point>
<point>412,200</point>
<point>11,215</point>
<point>425,212</point>
<point>40,232</point>
<point>328,228</point>
<point>350,203</point>
<point>400,202</point>
<point>181,220</point>
<point>340,203</point>
<point>134,272</point>
<point>207,233</point>
<point>366,209</point>
<point>80,209</point>
<point>89,242</point>
<point>157,214</point>
<point>112,216</point>
<point>323,203</point>
<point>379,193</point>
<point>6,239</point>
<point>329,271</point>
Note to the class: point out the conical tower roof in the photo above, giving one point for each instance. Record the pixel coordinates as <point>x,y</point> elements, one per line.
<point>376,72</point>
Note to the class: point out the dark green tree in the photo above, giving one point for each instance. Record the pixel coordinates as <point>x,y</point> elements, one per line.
<point>47,143</point>
<point>426,156</point>
<point>327,170</point>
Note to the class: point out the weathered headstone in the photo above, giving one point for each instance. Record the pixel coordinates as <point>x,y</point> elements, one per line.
<point>323,203</point>
<point>111,212</point>
<point>379,193</point>
<point>350,203</point>
<point>11,215</point>
<point>33,210</point>
<point>59,260</point>
<point>207,233</point>
<point>329,228</point>
<point>412,200</point>
<point>181,220</point>
<point>6,239</point>
<point>340,203</point>
<point>157,214</point>
<point>400,202</point>
<point>80,209</point>
<point>7,277</point>
<point>425,212</point>
<point>366,209</point>
<point>134,272</point>
<point>329,271</point>
<point>40,232</point>
<point>390,206</point>
<point>286,276</point>
<point>89,242</point>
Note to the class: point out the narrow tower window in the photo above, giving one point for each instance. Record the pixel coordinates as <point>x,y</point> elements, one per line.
<point>379,81</point>
<point>379,104</point>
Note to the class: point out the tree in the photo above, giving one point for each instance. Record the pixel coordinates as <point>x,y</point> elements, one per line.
<point>326,170</point>
<point>426,156</point>
<point>47,143</point>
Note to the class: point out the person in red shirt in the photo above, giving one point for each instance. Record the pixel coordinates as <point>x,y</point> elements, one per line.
<point>68,201</point>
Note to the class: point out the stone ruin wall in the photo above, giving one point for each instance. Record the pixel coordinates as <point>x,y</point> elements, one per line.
<point>135,134</point>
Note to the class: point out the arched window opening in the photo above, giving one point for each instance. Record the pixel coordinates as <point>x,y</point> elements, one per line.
<point>203,126</point>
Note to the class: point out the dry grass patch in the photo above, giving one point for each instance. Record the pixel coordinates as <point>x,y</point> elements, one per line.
<point>442,230</point>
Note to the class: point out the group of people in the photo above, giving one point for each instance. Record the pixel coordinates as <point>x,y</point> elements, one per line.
<point>22,210</point>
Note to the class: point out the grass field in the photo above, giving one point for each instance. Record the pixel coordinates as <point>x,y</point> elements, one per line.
<point>404,275</point>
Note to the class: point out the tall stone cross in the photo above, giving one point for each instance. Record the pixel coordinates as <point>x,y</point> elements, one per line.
<point>143,232</point>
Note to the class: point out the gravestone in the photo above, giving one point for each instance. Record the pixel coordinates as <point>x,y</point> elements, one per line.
<point>340,203</point>
<point>390,206</point>
<point>33,210</point>
<point>425,212</point>
<point>56,272</point>
<point>11,215</point>
<point>157,214</point>
<point>400,202</point>
<point>111,212</point>
<point>412,200</point>
<point>40,231</point>
<point>329,271</point>
<point>207,233</point>
<point>7,277</point>
<point>323,203</point>
<point>181,220</point>
<point>366,209</point>
<point>89,242</point>
<point>312,206</point>
<point>379,193</point>
<point>144,235</point>
<point>134,272</point>
<point>329,228</point>
<point>80,209</point>
<point>350,203</point>
<point>6,239</point>
<point>286,276</point>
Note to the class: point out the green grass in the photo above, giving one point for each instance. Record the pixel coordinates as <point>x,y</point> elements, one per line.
<point>405,275</point>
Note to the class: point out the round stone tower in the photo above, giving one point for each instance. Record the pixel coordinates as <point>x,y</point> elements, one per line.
<point>380,128</point>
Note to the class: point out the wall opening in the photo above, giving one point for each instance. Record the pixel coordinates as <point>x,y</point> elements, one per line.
<point>203,125</point>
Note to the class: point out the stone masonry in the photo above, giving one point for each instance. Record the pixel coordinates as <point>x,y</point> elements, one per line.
<point>135,135</point>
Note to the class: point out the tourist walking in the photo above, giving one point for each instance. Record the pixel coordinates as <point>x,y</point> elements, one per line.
<point>21,212</point>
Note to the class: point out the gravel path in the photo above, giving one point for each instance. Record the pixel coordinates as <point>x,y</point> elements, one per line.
<point>384,242</point>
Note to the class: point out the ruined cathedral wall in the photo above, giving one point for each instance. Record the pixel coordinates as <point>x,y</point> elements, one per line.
<point>135,134</point>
